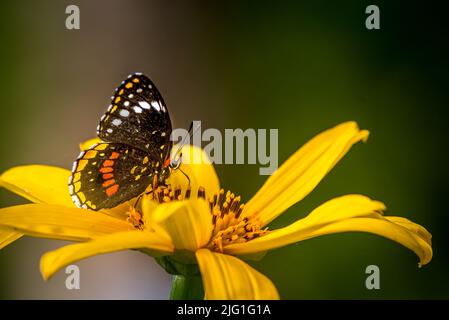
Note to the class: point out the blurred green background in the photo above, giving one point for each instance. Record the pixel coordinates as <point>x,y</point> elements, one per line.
<point>299,66</point>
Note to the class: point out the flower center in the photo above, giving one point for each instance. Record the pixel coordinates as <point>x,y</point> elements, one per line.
<point>228,225</point>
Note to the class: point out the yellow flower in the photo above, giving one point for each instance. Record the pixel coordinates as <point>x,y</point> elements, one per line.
<point>200,225</point>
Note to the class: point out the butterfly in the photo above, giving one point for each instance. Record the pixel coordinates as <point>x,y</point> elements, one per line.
<point>134,152</point>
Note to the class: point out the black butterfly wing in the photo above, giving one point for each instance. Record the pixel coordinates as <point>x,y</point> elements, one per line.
<point>108,174</point>
<point>138,117</point>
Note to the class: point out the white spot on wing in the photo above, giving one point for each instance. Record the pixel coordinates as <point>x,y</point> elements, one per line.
<point>156,105</point>
<point>144,105</point>
<point>124,113</point>
<point>126,103</point>
<point>76,200</point>
<point>137,109</point>
<point>109,130</point>
<point>116,122</point>
<point>139,90</point>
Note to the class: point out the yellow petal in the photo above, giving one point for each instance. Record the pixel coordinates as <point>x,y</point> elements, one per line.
<point>351,213</point>
<point>40,184</point>
<point>189,223</point>
<point>229,278</point>
<point>7,237</point>
<point>89,143</point>
<point>300,174</point>
<point>147,241</point>
<point>198,167</point>
<point>59,222</point>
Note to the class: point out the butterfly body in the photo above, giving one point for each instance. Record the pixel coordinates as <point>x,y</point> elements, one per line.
<point>135,151</point>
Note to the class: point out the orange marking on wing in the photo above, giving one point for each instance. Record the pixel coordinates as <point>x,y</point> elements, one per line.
<point>108,183</point>
<point>114,155</point>
<point>106,169</point>
<point>108,163</point>
<point>112,190</point>
<point>108,176</point>
<point>81,165</point>
<point>101,146</point>
<point>90,154</point>
<point>166,163</point>
<point>129,85</point>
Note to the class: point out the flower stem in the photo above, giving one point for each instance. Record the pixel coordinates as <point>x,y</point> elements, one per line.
<point>186,288</point>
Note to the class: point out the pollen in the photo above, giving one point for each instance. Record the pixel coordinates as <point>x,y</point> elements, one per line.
<point>135,218</point>
<point>229,226</point>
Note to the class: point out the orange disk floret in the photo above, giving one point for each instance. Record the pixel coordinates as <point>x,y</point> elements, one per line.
<point>112,190</point>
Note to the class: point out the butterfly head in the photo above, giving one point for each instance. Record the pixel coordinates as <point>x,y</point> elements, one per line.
<point>175,162</point>
<point>170,165</point>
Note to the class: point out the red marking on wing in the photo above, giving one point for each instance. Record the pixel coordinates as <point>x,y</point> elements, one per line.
<point>114,155</point>
<point>166,163</point>
<point>108,163</point>
<point>108,176</point>
<point>112,190</point>
<point>106,170</point>
<point>108,183</point>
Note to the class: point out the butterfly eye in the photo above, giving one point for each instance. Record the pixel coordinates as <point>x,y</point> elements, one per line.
<point>176,162</point>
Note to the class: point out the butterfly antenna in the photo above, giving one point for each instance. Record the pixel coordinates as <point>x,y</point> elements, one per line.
<point>141,195</point>
<point>185,174</point>
<point>189,134</point>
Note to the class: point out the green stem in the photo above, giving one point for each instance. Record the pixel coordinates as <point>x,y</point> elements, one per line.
<point>186,288</point>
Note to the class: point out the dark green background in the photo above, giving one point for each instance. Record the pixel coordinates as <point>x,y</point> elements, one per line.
<point>300,66</point>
